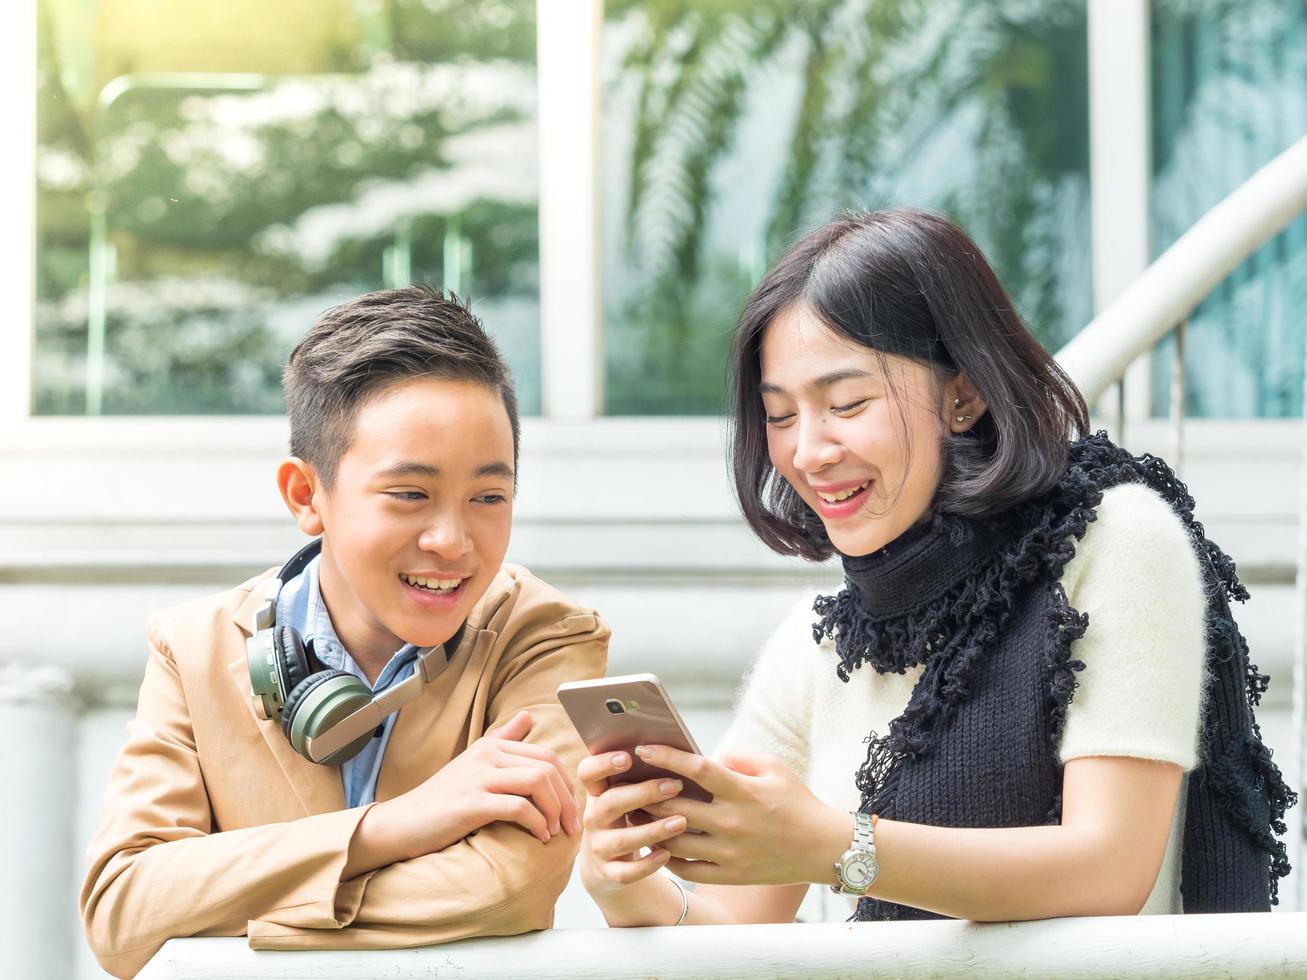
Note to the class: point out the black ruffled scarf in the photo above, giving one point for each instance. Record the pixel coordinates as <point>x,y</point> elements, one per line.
<point>980,605</point>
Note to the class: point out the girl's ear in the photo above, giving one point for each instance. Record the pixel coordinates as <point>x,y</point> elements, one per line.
<point>299,486</point>
<point>963,404</point>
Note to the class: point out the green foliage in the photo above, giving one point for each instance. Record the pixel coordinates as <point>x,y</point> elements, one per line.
<point>189,354</point>
<point>232,218</point>
<point>884,87</point>
<point>456,30</point>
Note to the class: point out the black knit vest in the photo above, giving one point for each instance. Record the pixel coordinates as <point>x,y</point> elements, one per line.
<point>979,604</point>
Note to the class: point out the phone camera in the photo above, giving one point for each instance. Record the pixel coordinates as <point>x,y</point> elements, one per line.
<point>614,706</point>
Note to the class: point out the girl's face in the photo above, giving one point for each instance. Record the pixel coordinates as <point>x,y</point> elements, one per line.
<point>856,433</point>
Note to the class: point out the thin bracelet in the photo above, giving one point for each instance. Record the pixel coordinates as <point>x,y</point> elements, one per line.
<point>685,900</point>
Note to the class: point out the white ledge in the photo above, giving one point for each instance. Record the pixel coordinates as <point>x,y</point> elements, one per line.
<point>1262,946</point>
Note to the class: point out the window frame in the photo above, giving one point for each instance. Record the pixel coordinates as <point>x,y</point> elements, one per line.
<point>572,430</point>
<point>571,240</point>
<point>18,198</point>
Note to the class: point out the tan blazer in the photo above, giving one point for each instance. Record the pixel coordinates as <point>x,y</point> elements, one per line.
<point>214,826</point>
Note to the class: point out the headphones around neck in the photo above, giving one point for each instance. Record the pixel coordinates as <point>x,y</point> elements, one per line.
<point>328,715</point>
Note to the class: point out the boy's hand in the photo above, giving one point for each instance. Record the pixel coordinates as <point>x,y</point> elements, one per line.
<point>498,777</point>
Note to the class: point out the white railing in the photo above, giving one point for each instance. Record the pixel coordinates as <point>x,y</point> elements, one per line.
<point>1253,946</point>
<point>1182,277</point>
<point>1158,303</point>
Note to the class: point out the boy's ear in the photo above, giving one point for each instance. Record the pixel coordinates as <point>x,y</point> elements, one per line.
<point>299,486</point>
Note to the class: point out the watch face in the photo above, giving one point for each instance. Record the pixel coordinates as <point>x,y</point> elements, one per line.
<point>859,870</point>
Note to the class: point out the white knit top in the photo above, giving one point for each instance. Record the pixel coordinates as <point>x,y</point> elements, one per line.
<point>1136,576</point>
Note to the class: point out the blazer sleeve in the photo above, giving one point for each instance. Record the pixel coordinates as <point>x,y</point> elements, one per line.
<point>499,881</point>
<point>157,870</point>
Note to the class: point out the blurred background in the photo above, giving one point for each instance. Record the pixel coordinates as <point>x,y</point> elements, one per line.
<point>191,183</point>
<point>211,176</point>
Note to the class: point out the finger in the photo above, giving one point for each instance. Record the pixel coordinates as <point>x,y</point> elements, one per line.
<point>595,770</point>
<point>711,775</point>
<point>622,842</point>
<point>615,803</point>
<point>561,781</point>
<point>629,872</point>
<point>700,872</point>
<point>539,754</point>
<point>701,816</point>
<point>515,729</point>
<point>569,816</point>
<point>512,808</point>
<point>533,751</point>
<point>696,847</point>
<point>533,783</point>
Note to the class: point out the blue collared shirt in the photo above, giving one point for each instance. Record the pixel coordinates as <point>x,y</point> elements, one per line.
<point>300,604</point>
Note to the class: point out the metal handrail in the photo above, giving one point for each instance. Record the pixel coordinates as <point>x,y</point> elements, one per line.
<point>1160,302</point>
<point>1169,289</point>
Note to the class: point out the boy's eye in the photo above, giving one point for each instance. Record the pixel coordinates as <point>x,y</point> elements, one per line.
<point>406,494</point>
<point>491,498</point>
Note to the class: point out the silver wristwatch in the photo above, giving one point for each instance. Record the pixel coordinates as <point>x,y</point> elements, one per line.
<point>857,867</point>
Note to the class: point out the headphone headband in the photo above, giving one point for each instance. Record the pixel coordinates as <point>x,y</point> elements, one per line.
<point>339,713</point>
<point>299,561</point>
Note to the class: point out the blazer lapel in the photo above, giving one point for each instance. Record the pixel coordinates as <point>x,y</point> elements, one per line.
<point>430,731</point>
<point>318,788</point>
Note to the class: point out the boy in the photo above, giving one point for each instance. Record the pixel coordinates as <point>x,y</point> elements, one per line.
<point>453,817</point>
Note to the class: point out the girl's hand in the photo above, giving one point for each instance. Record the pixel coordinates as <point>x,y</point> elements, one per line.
<point>763,827</point>
<point>614,833</point>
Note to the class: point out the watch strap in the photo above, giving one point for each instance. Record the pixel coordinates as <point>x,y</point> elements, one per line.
<point>864,840</point>
<point>864,833</point>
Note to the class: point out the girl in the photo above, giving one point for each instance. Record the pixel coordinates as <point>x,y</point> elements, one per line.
<point>1028,700</point>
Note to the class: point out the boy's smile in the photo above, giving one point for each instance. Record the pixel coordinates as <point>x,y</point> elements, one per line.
<point>433,590</point>
<point>418,519</point>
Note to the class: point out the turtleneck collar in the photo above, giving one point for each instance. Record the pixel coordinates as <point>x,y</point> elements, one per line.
<point>919,566</point>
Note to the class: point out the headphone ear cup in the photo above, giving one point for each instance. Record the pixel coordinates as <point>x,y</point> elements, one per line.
<point>299,692</point>
<point>293,658</point>
<point>319,702</point>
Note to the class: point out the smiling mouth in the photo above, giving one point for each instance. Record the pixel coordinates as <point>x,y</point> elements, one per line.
<point>843,495</point>
<point>438,586</point>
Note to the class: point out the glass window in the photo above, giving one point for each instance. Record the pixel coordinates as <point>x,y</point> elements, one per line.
<point>212,178</point>
<point>731,127</point>
<point>1229,92</point>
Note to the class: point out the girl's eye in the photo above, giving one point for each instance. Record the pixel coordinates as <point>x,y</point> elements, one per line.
<point>406,495</point>
<point>780,420</point>
<point>843,409</point>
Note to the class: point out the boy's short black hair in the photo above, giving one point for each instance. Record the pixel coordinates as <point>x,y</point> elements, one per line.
<point>360,348</point>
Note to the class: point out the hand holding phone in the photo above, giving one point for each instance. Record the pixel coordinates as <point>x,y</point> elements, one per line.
<point>613,714</point>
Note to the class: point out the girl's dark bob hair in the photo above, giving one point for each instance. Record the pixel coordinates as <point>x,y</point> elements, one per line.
<point>909,283</point>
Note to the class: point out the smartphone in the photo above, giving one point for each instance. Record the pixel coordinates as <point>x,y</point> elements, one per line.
<point>615,714</point>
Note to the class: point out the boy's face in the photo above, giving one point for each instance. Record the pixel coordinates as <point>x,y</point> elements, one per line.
<point>418,519</point>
